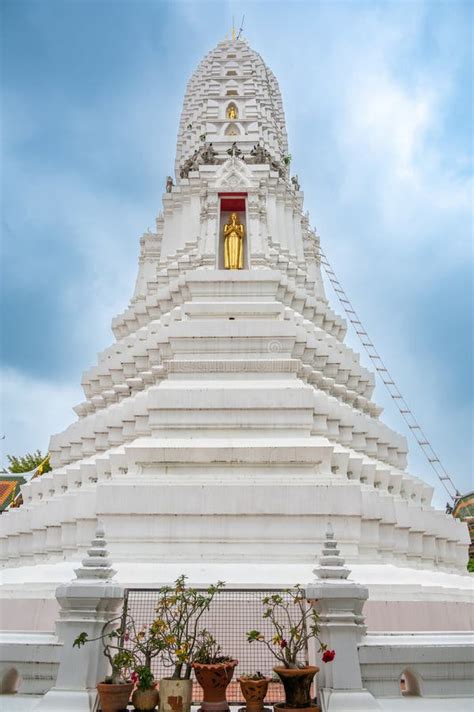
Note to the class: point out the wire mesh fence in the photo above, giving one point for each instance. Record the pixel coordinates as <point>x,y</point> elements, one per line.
<point>232,613</point>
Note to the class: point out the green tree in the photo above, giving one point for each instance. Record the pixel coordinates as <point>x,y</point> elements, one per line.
<point>28,462</point>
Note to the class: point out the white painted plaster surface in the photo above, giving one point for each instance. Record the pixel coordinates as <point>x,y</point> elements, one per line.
<point>228,421</point>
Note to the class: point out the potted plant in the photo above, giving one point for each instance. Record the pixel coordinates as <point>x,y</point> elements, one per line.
<point>294,623</point>
<point>214,672</point>
<point>126,648</point>
<point>114,692</point>
<point>177,626</point>
<point>145,697</point>
<point>254,690</point>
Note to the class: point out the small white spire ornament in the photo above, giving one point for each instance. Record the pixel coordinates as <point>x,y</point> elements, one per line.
<point>331,563</point>
<point>96,565</point>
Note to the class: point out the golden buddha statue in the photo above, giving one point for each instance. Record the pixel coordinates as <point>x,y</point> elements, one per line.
<point>233,243</point>
<point>231,112</point>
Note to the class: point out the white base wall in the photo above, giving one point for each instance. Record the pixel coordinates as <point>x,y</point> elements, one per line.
<point>399,598</point>
<point>441,663</point>
<point>435,665</point>
<point>29,662</point>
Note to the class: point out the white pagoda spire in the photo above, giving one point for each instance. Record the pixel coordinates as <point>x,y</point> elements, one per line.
<point>232,96</point>
<point>228,419</point>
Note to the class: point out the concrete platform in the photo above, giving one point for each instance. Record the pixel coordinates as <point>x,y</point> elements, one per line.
<point>27,703</point>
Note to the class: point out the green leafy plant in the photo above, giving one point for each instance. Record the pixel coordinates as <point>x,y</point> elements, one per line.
<point>209,652</point>
<point>287,159</point>
<point>126,647</point>
<point>294,622</point>
<point>28,462</point>
<point>254,676</point>
<point>121,660</point>
<point>177,624</point>
<point>143,678</point>
<point>470,566</point>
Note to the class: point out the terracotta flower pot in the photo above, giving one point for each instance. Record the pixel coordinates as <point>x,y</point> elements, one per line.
<point>214,680</point>
<point>175,695</point>
<point>114,698</point>
<point>254,692</point>
<point>297,684</point>
<point>145,700</point>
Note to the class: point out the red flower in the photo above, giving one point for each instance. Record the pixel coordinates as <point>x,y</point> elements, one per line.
<point>134,677</point>
<point>283,643</point>
<point>328,656</point>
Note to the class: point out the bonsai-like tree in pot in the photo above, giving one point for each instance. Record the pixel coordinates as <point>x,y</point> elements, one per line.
<point>254,689</point>
<point>129,651</point>
<point>294,622</point>
<point>213,671</point>
<point>178,626</point>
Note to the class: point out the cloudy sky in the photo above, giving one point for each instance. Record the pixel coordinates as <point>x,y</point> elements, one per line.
<point>378,100</point>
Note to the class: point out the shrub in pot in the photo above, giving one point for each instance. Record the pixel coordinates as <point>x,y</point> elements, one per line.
<point>145,697</point>
<point>126,647</point>
<point>213,672</point>
<point>294,622</point>
<point>254,690</point>
<point>178,626</point>
<point>114,692</point>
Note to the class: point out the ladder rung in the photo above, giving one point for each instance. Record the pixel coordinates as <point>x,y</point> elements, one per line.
<point>380,368</point>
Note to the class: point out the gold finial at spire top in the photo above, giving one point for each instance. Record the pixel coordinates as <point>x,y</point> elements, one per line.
<point>233,29</point>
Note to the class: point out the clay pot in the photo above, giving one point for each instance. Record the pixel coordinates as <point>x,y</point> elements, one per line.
<point>114,698</point>
<point>214,680</point>
<point>297,684</point>
<point>254,692</point>
<point>145,700</point>
<point>175,695</point>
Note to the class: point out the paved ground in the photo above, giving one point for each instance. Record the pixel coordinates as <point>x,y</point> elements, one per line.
<point>425,704</point>
<point>27,703</point>
<point>18,703</point>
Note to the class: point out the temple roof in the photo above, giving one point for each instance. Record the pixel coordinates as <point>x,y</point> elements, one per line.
<point>9,488</point>
<point>464,506</point>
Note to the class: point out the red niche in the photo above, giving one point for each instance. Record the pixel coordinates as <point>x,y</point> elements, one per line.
<point>232,202</point>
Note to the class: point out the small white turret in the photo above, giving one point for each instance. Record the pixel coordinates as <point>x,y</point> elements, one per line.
<point>96,564</point>
<point>331,564</point>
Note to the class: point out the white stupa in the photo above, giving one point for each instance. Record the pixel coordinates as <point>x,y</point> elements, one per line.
<point>228,422</point>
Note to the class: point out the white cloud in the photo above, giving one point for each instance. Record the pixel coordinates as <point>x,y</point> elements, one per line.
<point>389,192</point>
<point>388,188</point>
<point>32,410</point>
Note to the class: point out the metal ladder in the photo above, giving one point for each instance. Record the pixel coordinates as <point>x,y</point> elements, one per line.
<point>389,382</point>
